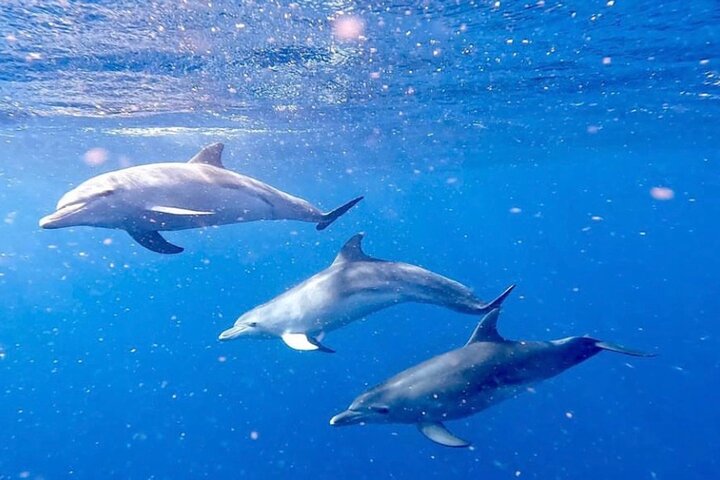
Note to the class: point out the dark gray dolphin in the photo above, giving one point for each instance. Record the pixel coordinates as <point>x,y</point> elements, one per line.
<point>459,383</point>
<point>148,199</point>
<point>354,286</point>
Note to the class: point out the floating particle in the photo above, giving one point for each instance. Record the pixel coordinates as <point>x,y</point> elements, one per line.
<point>95,156</point>
<point>568,414</point>
<point>593,129</point>
<point>348,28</point>
<point>606,60</point>
<point>662,193</point>
<point>254,435</point>
<point>704,61</point>
<point>596,218</point>
<point>222,359</point>
<point>515,210</point>
<point>3,353</point>
<point>32,56</point>
<point>451,180</point>
<point>107,241</point>
<point>374,75</point>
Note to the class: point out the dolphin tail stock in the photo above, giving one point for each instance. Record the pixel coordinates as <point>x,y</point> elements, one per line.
<point>330,217</point>
<point>154,241</point>
<point>611,347</point>
<point>497,302</point>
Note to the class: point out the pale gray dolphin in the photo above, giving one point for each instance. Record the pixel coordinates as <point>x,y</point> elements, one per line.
<point>459,383</point>
<point>355,285</point>
<point>147,199</point>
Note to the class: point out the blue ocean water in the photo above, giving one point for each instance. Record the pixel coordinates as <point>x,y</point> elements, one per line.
<point>568,147</point>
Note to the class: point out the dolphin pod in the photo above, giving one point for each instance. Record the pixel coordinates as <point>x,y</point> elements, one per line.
<point>459,383</point>
<point>147,199</point>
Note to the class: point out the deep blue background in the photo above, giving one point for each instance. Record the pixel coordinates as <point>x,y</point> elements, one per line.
<point>110,367</point>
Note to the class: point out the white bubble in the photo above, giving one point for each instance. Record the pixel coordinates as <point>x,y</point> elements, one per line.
<point>348,28</point>
<point>95,156</point>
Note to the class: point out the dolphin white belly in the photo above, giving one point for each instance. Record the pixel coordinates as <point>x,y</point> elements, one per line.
<point>313,311</point>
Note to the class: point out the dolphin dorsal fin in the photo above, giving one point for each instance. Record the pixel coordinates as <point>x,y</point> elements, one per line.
<point>486,331</point>
<point>210,155</point>
<point>352,251</point>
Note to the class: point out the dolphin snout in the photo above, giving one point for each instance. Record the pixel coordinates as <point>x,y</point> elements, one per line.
<point>46,221</point>
<point>51,221</point>
<point>348,417</point>
<point>234,332</point>
<point>61,218</point>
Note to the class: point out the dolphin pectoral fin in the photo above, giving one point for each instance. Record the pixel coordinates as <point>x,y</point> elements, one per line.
<point>488,307</point>
<point>303,342</point>
<point>154,241</point>
<point>178,211</point>
<point>437,432</point>
<point>330,217</point>
<point>620,349</point>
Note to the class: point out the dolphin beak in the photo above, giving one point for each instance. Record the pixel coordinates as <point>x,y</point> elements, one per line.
<point>234,332</point>
<point>348,417</point>
<point>62,217</point>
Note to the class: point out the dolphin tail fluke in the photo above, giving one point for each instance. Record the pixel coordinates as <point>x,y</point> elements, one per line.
<point>155,242</point>
<point>620,349</point>
<point>438,433</point>
<point>497,303</point>
<point>330,217</point>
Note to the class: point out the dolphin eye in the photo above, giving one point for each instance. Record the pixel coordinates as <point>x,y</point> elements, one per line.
<point>106,193</point>
<point>252,324</point>
<point>383,410</point>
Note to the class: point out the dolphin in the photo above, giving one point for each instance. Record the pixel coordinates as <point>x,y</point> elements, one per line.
<point>462,382</point>
<point>148,199</point>
<point>354,286</point>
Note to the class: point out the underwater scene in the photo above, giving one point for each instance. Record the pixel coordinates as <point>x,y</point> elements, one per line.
<point>343,239</point>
